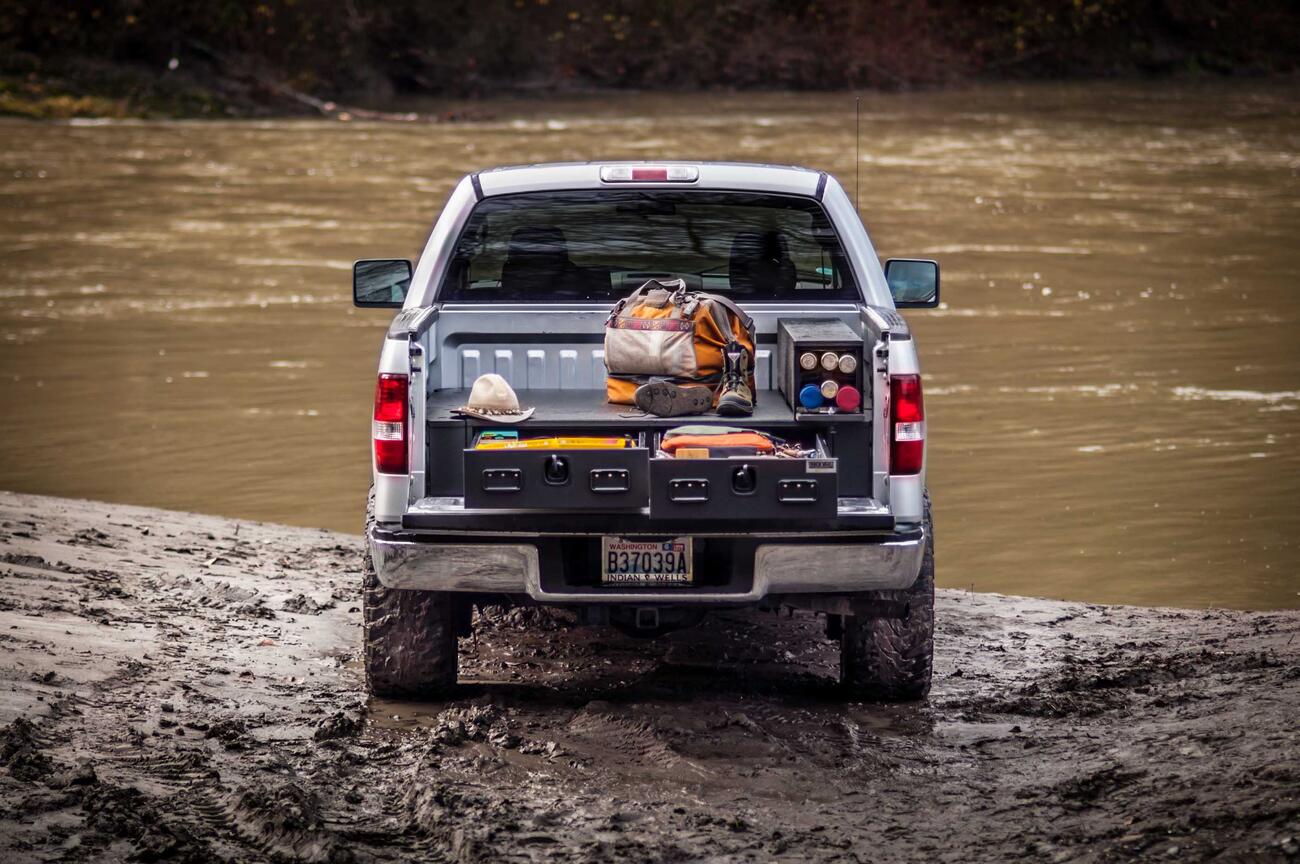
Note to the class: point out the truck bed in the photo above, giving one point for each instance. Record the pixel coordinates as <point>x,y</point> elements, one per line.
<point>586,412</point>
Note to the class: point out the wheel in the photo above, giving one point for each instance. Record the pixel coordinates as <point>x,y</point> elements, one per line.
<point>410,636</point>
<point>889,659</point>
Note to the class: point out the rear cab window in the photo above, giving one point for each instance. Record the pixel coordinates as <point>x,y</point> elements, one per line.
<point>600,245</point>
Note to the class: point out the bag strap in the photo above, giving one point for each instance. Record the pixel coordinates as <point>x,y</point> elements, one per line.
<point>732,308</point>
<point>672,286</point>
<point>686,300</point>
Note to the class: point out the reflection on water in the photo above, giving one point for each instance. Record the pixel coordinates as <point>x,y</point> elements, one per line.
<point>1113,385</point>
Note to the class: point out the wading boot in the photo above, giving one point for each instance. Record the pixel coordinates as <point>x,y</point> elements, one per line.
<point>666,399</point>
<point>735,399</point>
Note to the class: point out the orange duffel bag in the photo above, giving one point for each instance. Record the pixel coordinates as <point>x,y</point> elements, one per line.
<point>662,330</point>
<point>757,441</point>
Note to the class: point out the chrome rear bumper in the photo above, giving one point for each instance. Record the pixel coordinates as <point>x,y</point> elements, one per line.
<point>779,568</point>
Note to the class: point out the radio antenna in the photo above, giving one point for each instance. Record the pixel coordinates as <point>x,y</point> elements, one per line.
<point>857,147</point>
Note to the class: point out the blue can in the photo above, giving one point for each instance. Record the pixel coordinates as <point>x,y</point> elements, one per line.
<point>810,396</point>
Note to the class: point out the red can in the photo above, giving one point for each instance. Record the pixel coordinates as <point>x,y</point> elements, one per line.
<point>848,399</point>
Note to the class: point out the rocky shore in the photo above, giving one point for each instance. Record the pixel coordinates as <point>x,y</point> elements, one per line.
<point>176,687</point>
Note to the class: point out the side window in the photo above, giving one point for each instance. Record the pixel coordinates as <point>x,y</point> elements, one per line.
<point>816,258</point>
<point>483,255</point>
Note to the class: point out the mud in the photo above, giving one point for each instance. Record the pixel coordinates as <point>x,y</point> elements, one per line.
<point>186,688</point>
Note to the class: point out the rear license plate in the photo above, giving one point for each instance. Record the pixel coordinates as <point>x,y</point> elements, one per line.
<point>646,563</point>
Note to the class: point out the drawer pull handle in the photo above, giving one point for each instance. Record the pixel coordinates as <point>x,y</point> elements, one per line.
<point>688,491</point>
<point>610,480</point>
<point>503,480</point>
<point>797,491</point>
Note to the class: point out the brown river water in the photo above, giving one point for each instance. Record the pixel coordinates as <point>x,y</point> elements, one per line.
<point>1113,385</point>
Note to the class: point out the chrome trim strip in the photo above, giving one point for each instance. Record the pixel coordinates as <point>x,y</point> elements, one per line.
<point>488,567</point>
<point>778,569</point>
<point>818,569</point>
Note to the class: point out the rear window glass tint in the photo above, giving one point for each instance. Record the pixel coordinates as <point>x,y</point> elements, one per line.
<point>599,245</point>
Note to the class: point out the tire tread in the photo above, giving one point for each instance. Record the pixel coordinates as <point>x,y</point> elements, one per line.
<point>891,659</point>
<point>409,636</point>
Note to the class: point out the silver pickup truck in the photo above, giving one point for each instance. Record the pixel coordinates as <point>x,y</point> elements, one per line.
<point>518,277</point>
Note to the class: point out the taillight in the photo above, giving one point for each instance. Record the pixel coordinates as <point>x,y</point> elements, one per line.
<point>906,425</point>
<point>390,424</point>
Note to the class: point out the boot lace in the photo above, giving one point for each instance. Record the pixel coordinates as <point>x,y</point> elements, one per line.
<point>732,376</point>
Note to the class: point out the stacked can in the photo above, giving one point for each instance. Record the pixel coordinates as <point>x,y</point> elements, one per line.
<point>845,397</point>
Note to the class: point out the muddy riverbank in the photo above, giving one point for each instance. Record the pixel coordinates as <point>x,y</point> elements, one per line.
<point>185,688</point>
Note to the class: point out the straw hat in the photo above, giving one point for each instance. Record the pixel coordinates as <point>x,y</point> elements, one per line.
<point>491,398</point>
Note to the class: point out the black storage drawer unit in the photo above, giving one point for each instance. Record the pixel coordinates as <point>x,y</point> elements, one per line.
<point>758,488</point>
<point>556,479</point>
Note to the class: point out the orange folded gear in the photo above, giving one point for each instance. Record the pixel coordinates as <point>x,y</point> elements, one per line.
<point>579,443</point>
<point>760,443</point>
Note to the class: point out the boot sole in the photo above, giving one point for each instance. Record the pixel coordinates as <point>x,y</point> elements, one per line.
<point>734,407</point>
<point>666,399</point>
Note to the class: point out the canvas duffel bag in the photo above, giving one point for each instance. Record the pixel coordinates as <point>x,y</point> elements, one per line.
<point>662,330</point>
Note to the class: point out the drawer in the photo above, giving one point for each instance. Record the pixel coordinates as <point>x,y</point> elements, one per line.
<point>757,488</point>
<point>557,479</point>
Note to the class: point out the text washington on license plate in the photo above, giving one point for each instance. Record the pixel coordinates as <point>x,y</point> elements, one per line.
<point>646,563</point>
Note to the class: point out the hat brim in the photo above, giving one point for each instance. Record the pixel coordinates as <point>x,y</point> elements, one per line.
<point>495,418</point>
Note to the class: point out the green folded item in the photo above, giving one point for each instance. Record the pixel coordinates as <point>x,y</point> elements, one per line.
<point>701,429</point>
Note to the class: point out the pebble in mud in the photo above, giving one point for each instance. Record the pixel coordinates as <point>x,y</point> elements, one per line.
<point>456,725</point>
<point>340,724</point>
<point>691,747</point>
<point>231,732</point>
<point>304,605</point>
<point>82,775</point>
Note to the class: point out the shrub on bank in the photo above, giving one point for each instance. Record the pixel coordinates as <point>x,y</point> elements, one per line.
<point>366,50</point>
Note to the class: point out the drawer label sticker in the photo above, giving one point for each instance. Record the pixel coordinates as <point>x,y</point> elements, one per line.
<point>821,466</point>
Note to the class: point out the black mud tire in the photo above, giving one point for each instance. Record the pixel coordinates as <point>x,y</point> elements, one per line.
<point>409,636</point>
<point>889,658</point>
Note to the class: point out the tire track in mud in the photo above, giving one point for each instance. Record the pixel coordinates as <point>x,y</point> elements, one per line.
<point>627,739</point>
<point>204,703</point>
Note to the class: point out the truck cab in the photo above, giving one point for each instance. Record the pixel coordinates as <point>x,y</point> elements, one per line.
<point>517,278</point>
